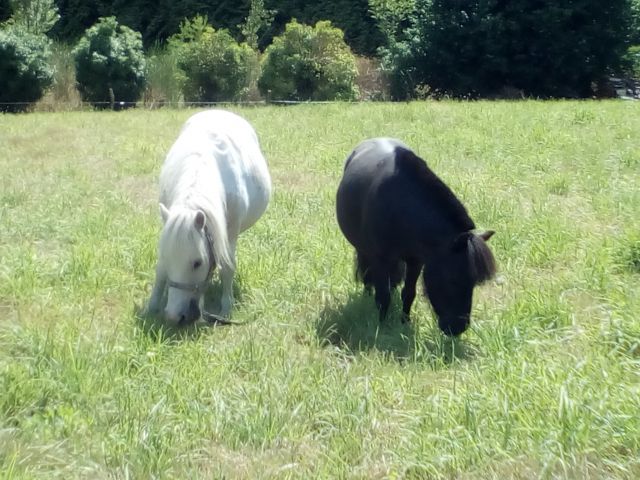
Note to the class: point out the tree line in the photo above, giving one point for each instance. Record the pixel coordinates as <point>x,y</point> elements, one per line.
<point>434,48</point>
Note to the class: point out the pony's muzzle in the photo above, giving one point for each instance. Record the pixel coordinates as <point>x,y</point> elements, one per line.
<point>186,316</point>
<point>454,325</point>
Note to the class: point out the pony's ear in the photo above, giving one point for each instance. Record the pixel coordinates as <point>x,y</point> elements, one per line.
<point>164,213</point>
<point>486,235</point>
<point>199,221</point>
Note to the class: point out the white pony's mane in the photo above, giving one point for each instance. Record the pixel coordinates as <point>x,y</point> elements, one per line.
<point>199,187</point>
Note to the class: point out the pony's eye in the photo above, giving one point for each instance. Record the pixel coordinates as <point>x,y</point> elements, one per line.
<point>197,264</point>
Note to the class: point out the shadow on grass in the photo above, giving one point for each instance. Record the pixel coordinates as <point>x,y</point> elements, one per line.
<point>214,293</point>
<point>354,326</point>
<point>155,327</point>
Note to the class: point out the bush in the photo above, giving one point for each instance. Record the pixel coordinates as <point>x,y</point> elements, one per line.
<point>309,63</point>
<point>110,64</point>
<point>25,72</point>
<point>216,68</point>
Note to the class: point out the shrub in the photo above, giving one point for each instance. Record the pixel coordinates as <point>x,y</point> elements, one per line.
<point>309,63</point>
<point>216,68</point>
<point>25,72</point>
<point>110,64</point>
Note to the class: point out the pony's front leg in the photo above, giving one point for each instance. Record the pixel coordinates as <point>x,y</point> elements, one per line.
<point>158,293</point>
<point>227,272</point>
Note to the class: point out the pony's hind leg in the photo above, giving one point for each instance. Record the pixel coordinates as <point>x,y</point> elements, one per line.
<point>381,277</point>
<point>409,290</point>
<point>363,272</point>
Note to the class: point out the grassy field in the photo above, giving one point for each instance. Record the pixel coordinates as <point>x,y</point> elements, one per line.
<point>546,383</point>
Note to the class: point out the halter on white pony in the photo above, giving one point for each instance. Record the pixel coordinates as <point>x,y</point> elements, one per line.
<point>214,184</point>
<point>200,287</point>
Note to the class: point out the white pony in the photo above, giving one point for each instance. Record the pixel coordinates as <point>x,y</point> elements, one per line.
<point>214,184</point>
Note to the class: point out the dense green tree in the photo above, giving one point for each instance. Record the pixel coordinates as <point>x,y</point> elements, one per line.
<point>360,29</point>
<point>110,64</point>
<point>34,16</point>
<point>5,10</point>
<point>25,70</point>
<point>635,22</point>
<point>76,16</point>
<point>482,47</point>
<point>158,20</point>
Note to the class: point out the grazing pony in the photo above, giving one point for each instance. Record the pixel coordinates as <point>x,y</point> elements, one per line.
<point>214,184</point>
<point>402,219</point>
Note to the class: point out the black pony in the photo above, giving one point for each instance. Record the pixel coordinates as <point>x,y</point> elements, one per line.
<point>401,217</point>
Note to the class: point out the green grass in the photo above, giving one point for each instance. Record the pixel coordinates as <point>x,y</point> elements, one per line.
<point>546,383</point>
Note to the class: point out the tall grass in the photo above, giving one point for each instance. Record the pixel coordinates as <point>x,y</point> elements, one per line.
<point>63,94</point>
<point>545,384</point>
<point>164,78</point>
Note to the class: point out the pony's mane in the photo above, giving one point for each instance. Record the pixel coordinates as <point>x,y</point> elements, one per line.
<point>482,264</point>
<point>217,223</point>
<point>194,184</point>
<point>435,188</point>
<point>181,224</point>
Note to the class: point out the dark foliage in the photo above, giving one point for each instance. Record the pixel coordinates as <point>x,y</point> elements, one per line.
<point>158,20</point>
<point>483,48</point>
<point>635,22</point>
<point>351,16</point>
<point>5,10</point>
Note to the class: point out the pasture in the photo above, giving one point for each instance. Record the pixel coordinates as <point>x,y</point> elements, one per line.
<point>545,383</point>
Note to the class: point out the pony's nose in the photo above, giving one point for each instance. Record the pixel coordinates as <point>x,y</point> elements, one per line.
<point>455,325</point>
<point>185,316</point>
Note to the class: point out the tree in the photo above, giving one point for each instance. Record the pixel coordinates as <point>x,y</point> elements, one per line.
<point>110,64</point>
<point>635,22</point>
<point>482,47</point>
<point>5,10</point>
<point>257,20</point>
<point>25,71</point>
<point>34,16</point>
<point>361,32</point>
